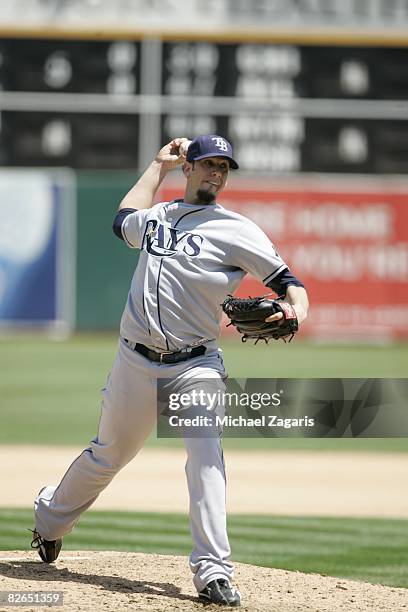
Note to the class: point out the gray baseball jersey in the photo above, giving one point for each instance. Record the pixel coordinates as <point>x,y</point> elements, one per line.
<point>191,257</point>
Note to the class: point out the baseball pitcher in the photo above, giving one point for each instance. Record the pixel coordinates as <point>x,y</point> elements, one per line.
<point>193,255</point>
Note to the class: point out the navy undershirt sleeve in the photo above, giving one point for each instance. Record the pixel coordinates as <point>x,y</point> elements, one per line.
<point>118,220</point>
<point>281,282</point>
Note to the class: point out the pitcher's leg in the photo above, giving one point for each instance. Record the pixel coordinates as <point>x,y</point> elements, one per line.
<point>205,470</point>
<point>128,414</point>
<point>207,488</point>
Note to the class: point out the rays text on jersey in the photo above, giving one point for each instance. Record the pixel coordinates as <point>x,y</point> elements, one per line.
<point>164,241</point>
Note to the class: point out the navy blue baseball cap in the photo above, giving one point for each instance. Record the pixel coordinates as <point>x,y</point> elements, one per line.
<point>211,145</point>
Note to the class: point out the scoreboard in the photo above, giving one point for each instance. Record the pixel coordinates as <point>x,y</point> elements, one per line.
<point>41,79</point>
<point>285,107</point>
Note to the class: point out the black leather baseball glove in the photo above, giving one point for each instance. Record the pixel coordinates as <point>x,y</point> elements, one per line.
<point>248,316</point>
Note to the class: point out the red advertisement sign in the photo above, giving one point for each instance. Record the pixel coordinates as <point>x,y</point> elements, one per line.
<point>346,239</point>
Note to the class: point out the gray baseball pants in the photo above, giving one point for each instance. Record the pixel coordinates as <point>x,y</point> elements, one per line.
<point>128,414</point>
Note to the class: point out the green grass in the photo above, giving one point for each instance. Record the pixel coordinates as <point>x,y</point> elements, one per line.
<point>373,550</point>
<point>50,390</point>
<point>304,360</point>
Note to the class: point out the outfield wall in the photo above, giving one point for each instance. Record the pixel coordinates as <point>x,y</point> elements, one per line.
<point>346,238</point>
<point>37,249</point>
<point>104,265</point>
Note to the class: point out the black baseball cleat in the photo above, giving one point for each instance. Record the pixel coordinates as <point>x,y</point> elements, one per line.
<point>47,549</point>
<point>220,592</point>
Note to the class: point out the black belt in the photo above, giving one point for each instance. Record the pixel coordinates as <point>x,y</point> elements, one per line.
<point>167,356</point>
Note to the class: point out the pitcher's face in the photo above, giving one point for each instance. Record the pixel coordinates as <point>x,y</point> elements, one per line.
<point>206,178</point>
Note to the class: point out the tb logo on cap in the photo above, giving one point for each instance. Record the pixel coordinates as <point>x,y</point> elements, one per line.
<point>220,144</point>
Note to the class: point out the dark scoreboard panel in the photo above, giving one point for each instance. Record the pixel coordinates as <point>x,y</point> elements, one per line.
<point>78,140</point>
<point>74,66</point>
<point>45,134</point>
<point>286,108</point>
<point>296,139</point>
<point>304,71</point>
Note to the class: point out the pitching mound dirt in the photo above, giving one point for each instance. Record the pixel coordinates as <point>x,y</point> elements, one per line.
<point>128,581</point>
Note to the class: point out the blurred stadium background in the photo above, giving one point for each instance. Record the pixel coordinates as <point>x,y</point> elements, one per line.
<point>313,97</point>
